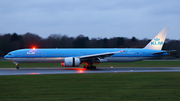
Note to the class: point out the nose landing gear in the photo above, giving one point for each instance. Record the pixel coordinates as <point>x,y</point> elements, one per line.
<point>17,66</point>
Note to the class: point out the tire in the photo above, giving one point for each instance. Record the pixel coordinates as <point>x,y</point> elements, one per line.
<point>17,67</point>
<point>87,67</point>
<point>94,67</point>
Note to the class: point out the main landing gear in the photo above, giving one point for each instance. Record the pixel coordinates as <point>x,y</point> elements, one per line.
<point>89,65</point>
<point>17,66</point>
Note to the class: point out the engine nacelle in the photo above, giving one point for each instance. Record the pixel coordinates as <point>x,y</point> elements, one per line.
<point>71,62</point>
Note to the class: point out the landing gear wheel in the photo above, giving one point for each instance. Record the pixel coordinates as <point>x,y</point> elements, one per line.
<point>84,66</point>
<point>87,67</point>
<point>17,67</point>
<point>94,67</point>
<point>91,67</point>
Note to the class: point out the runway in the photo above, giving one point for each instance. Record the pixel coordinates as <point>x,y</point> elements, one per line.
<point>37,71</point>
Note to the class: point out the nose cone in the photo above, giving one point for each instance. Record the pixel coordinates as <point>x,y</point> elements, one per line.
<point>6,56</point>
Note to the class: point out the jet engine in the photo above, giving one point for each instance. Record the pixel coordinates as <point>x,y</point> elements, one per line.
<point>71,62</point>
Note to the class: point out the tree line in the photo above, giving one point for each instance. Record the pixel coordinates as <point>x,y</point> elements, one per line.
<point>10,42</point>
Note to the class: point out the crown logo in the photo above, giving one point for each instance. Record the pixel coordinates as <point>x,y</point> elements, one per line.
<point>156,39</point>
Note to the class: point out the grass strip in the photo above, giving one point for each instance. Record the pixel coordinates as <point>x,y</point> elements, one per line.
<point>88,87</point>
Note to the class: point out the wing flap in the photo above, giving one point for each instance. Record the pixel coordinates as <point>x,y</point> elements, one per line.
<point>101,55</point>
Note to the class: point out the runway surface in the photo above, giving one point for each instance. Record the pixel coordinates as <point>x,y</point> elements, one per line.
<point>36,71</point>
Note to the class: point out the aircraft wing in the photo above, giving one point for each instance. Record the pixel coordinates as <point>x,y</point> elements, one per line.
<point>101,55</point>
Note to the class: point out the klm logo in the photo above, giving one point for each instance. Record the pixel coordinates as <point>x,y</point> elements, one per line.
<point>156,42</point>
<point>30,52</point>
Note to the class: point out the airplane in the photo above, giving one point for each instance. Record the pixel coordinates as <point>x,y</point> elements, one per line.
<point>89,56</point>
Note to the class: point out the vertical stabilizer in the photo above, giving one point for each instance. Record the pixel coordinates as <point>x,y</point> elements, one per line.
<point>158,41</point>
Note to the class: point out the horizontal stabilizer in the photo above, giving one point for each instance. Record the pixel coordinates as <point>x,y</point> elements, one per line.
<point>167,51</point>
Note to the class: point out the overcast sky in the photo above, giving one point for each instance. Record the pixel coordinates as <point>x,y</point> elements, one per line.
<point>92,18</point>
